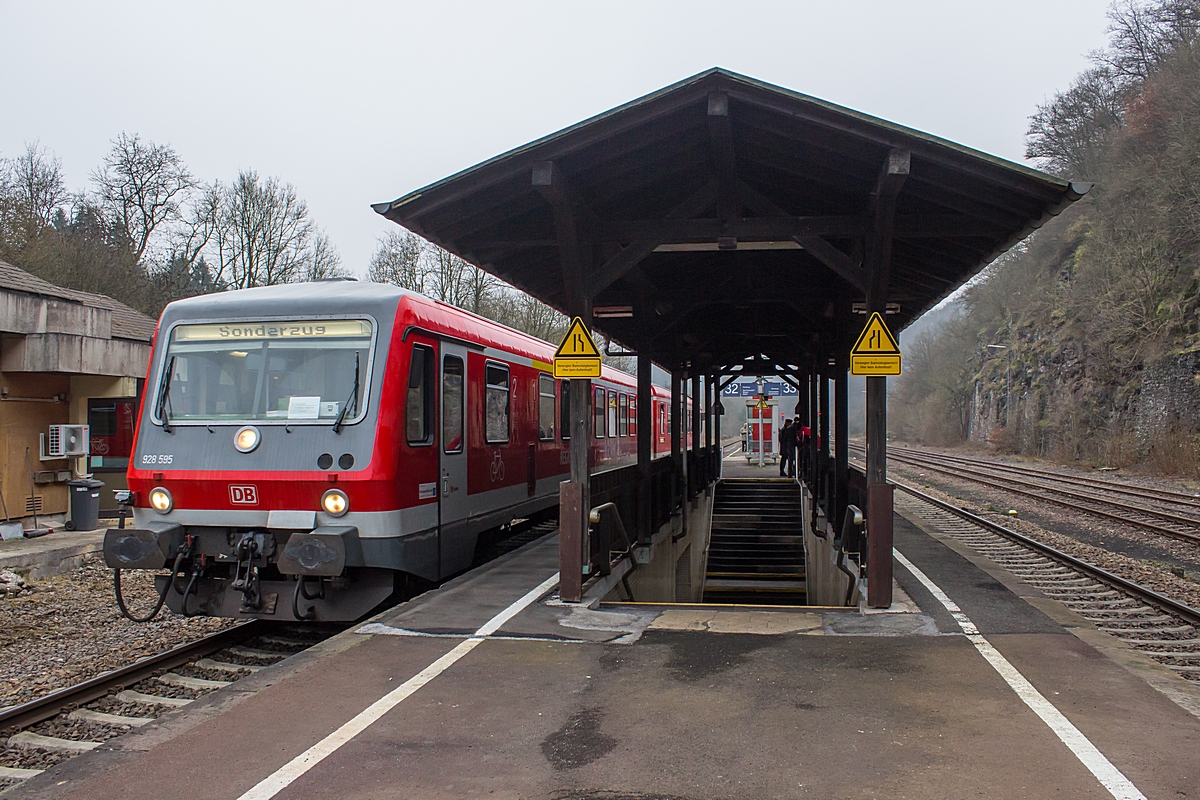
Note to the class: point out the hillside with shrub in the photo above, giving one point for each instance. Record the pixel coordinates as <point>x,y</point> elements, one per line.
<point>1081,344</point>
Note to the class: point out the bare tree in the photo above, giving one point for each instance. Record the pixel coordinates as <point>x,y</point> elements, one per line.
<point>1143,35</point>
<point>1067,134</point>
<point>324,262</point>
<point>264,236</point>
<point>196,228</point>
<point>398,260</point>
<point>141,185</point>
<point>34,182</point>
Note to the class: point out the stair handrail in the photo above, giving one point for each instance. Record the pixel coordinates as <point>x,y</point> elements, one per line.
<point>852,524</point>
<point>594,517</point>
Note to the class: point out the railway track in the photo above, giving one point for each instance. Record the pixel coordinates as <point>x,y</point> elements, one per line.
<point>1163,629</point>
<point>1177,524</point>
<point>80,718</point>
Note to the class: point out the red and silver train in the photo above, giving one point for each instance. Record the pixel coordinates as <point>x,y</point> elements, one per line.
<point>301,448</point>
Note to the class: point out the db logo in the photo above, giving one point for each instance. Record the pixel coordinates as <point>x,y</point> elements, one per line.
<point>243,495</point>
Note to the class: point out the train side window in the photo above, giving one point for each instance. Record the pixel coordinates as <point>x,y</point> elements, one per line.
<point>565,427</point>
<point>453,373</point>
<point>496,405</point>
<point>623,420</point>
<point>633,415</point>
<point>599,406</point>
<point>612,414</point>
<point>545,408</point>
<point>419,406</point>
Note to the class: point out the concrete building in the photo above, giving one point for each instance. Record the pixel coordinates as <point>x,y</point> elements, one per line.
<point>66,357</point>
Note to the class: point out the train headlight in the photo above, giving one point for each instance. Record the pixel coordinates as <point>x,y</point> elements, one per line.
<point>335,503</point>
<point>246,439</point>
<point>161,500</point>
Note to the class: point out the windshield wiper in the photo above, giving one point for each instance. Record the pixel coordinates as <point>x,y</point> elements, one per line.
<point>163,403</point>
<point>341,420</point>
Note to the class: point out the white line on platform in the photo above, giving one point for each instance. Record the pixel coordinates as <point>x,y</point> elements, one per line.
<point>1109,776</point>
<point>289,772</point>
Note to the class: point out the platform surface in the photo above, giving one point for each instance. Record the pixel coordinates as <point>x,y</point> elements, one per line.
<point>50,554</point>
<point>671,702</point>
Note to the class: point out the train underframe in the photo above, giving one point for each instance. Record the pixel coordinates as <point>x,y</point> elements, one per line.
<point>258,573</point>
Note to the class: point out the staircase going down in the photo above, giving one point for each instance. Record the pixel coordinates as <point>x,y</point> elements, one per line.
<point>756,550</point>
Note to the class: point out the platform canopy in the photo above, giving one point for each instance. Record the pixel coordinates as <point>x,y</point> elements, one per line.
<point>722,221</point>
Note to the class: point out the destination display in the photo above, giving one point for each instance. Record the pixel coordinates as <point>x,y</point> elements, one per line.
<point>279,329</point>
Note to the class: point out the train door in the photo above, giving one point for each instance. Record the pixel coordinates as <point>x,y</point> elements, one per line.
<point>453,507</point>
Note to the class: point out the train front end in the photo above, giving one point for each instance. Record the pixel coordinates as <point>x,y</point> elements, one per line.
<point>257,467</point>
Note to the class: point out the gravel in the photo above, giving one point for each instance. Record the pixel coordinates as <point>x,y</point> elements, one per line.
<point>31,759</point>
<point>67,628</point>
<point>111,705</point>
<point>63,727</point>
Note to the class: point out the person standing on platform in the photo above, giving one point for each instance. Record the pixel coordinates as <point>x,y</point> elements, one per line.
<point>798,443</point>
<point>787,450</point>
<point>803,433</point>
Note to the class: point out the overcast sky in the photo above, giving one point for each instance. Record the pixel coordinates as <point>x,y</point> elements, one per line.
<point>356,103</point>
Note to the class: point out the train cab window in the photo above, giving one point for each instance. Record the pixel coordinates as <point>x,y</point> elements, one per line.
<point>565,427</point>
<point>496,405</point>
<point>599,411</point>
<point>612,414</point>
<point>623,419</point>
<point>453,372</point>
<point>662,419</point>
<point>419,408</point>
<point>633,415</point>
<point>545,408</point>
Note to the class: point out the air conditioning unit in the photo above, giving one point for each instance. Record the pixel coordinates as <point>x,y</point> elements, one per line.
<point>68,441</point>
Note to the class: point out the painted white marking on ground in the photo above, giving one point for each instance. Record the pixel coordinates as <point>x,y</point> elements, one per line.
<point>289,772</point>
<point>1109,776</point>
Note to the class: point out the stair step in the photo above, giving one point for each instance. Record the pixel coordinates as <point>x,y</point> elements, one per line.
<point>749,586</point>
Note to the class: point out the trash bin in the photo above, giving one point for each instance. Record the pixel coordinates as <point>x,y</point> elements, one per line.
<point>85,504</point>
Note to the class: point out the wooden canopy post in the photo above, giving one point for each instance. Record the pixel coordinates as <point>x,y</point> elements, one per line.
<point>698,472</point>
<point>823,450</point>
<point>646,430</point>
<point>879,492</point>
<point>574,496</point>
<point>841,438</point>
<point>677,459</point>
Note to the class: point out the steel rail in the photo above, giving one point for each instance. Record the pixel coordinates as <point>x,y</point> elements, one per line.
<point>1009,487</point>
<point>15,718</point>
<point>942,466</point>
<point>1176,498</point>
<point>1186,612</point>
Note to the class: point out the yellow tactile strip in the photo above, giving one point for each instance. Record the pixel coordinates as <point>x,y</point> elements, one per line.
<point>730,621</point>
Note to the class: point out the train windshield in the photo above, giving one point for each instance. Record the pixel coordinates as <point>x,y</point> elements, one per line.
<point>306,371</point>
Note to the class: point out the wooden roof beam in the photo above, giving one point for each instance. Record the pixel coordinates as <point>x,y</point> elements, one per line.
<point>720,135</point>
<point>883,212</point>
<point>631,255</point>
<point>568,208</point>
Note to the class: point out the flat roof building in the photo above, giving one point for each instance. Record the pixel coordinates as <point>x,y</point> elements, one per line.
<point>66,357</point>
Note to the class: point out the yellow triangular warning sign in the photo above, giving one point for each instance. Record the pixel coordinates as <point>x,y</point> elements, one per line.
<point>577,343</point>
<point>875,339</point>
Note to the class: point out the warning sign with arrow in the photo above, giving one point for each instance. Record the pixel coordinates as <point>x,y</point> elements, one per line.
<point>577,356</point>
<point>876,352</point>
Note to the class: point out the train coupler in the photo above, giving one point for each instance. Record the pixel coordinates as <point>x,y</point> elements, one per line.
<point>252,552</point>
